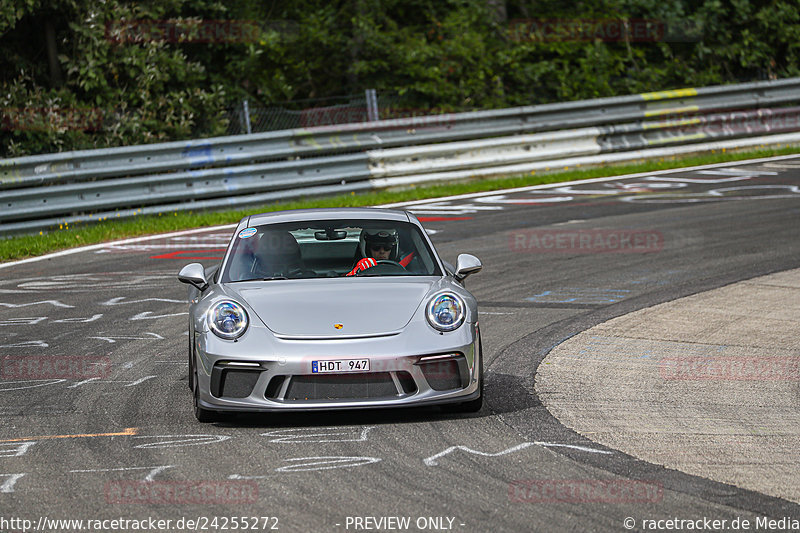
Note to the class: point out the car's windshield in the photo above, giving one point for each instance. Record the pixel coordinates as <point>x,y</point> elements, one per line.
<point>329,248</point>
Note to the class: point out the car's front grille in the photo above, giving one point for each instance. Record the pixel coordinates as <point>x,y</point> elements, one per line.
<point>446,374</point>
<point>373,386</point>
<point>234,383</point>
<point>274,387</point>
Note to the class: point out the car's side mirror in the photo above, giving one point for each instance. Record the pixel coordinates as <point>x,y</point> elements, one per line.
<point>466,264</point>
<point>194,274</point>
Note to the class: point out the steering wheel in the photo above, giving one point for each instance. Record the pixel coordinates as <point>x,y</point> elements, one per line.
<point>384,265</point>
<point>389,262</point>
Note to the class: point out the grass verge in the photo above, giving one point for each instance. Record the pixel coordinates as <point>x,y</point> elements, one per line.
<point>32,245</point>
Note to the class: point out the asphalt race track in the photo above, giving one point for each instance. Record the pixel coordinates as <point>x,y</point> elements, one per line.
<point>125,445</point>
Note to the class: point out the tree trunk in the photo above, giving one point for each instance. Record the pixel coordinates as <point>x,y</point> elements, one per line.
<point>56,79</point>
<point>498,7</point>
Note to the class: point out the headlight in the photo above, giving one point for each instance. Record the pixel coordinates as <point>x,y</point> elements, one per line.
<point>446,312</point>
<point>227,320</point>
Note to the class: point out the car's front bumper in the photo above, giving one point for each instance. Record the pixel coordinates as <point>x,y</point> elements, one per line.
<point>262,373</point>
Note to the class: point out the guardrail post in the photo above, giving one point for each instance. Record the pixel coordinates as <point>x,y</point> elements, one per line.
<point>246,108</point>
<point>372,105</point>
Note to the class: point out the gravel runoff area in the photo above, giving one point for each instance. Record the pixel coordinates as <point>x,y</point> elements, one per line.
<point>708,384</point>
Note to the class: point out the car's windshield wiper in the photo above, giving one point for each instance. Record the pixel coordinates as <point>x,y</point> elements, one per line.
<point>274,277</point>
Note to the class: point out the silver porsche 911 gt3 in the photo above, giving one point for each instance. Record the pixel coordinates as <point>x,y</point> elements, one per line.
<point>332,309</point>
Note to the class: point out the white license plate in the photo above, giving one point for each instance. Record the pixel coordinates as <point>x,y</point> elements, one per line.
<point>339,365</point>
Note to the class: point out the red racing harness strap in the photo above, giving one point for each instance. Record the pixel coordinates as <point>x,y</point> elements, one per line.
<point>406,260</point>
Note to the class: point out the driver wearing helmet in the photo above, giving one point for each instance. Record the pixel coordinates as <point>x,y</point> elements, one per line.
<point>377,246</point>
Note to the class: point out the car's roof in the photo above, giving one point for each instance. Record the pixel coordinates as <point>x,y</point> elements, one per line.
<point>295,215</point>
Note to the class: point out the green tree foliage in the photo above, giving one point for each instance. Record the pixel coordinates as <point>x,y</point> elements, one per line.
<point>67,83</point>
<point>102,92</point>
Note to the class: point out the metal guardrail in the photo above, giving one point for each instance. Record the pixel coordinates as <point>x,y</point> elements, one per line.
<point>571,162</point>
<point>182,186</point>
<point>37,192</point>
<point>184,155</point>
<point>580,142</point>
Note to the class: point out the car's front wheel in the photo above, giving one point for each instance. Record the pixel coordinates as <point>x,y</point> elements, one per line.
<point>472,406</point>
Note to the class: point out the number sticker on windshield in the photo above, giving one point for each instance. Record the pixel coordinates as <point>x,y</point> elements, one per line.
<point>247,233</point>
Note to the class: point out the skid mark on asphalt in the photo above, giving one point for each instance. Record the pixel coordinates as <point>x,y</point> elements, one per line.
<point>433,460</point>
<point>148,315</point>
<point>78,320</point>
<point>314,464</point>
<point>17,385</point>
<point>54,303</point>
<point>119,301</point>
<point>153,471</point>
<point>26,321</point>
<point>112,339</point>
<point>178,441</point>
<point>12,449</point>
<point>8,485</point>
<point>31,321</point>
<point>325,463</point>
<point>316,435</point>
<point>135,281</point>
<point>110,381</point>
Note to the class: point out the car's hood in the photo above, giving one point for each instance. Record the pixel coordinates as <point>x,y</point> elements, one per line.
<point>315,308</point>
